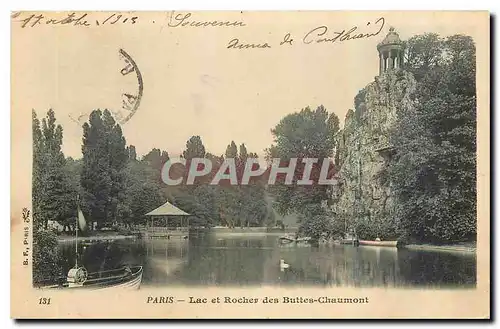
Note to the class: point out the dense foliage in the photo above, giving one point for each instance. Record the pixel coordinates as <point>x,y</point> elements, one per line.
<point>117,189</point>
<point>434,171</point>
<point>223,204</point>
<point>305,134</point>
<point>104,159</point>
<point>54,197</point>
<point>46,257</point>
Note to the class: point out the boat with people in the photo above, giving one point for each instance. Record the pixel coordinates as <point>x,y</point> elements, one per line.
<point>351,241</point>
<point>124,277</point>
<point>285,239</point>
<point>349,238</point>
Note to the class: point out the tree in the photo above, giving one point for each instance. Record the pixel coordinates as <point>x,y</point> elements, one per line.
<point>194,148</point>
<point>143,193</point>
<point>53,195</point>
<point>434,171</point>
<point>304,134</point>
<point>104,159</point>
<point>223,204</point>
<point>315,222</point>
<point>232,150</point>
<point>95,177</point>
<point>243,153</point>
<point>156,158</point>
<point>423,53</point>
<point>254,206</point>
<point>73,170</point>
<point>118,157</point>
<point>37,180</point>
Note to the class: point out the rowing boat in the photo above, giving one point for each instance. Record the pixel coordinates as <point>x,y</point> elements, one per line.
<point>128,278</point>
<point>378,243</point>
<point>287,239</point>
<point>123,278</point>
<point>290,238</point>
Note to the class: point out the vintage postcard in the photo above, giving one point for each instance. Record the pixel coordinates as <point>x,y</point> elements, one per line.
<point>250,165</point>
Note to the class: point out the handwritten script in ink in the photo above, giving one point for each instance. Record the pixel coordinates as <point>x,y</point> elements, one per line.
<point>73,19</point>
<point>321,34</point>
<point>317,35</point>
<point>185,20</point>
<point>175,20</point>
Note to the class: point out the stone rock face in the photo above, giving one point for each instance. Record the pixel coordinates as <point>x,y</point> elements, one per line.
<point>362,197</point>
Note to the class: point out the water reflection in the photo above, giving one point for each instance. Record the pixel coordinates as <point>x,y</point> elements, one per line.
<point>255,260</point>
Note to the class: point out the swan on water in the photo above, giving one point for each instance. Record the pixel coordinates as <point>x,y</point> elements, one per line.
<point>283,265</point>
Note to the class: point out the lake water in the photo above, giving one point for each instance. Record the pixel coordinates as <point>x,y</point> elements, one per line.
<point>232,260</point>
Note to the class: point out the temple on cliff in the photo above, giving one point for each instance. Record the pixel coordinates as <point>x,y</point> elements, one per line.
<point>391,52</point>
<point>362,196</point>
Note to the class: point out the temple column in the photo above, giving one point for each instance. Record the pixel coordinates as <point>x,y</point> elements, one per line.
<point>381,65</point>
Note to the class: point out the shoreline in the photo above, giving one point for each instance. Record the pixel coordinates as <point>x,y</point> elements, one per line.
<point>251,230</point>
<point>247,233</point>
<point>69,238</point>
<point>472,249</point>
<point>469,248</point>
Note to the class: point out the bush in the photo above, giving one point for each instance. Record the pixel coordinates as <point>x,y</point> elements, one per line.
<point>46,258</point>
<point>280,224</point>
<point>366,230</point>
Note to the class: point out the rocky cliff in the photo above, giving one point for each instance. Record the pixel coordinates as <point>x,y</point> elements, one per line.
<point>362,197</point>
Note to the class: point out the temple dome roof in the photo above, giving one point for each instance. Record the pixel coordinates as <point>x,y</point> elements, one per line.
<point>392,38</point>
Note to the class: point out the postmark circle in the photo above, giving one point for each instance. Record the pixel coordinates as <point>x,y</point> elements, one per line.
<point>130,99</point>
